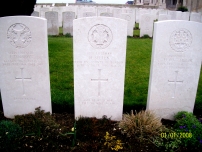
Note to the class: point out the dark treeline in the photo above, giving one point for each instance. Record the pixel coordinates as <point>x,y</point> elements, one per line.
<point>17,7</point>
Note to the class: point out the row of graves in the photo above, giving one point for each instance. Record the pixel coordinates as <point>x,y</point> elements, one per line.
<point>99,69</point>
<point>64,16</point>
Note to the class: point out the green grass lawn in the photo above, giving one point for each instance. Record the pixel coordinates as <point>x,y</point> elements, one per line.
<point>138,60</point>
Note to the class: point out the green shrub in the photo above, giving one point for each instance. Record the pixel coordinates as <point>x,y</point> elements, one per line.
<point>9,131</point>
<point>68,35</point>
<point>182,9</point>
<point>167,144</point>
<point>145,36</point>
<point>142,125</point>
<point>188,124</point>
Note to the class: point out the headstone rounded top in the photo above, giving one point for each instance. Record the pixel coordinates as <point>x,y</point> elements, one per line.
<point>100,36</point>
<point>19,35</point>
<point>180,40</point>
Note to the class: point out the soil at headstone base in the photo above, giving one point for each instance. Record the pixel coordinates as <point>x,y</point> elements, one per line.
<point>89,137</point>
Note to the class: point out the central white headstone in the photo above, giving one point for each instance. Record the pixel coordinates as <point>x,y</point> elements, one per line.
<point>175,67</point>
<point>24,67</point>
<point>147,22</point>
<point>99,66</point>
<point>52,19</point>
<point>68,18</point>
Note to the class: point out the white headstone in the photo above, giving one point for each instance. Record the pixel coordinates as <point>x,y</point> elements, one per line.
<point>59,10</point>
<point>185,16</point>
<point>163,17</point>
<point>37,6</point>
<point>52,19</point>
<point>142,12</point>
<point>43,10</point>
<point>175,67</point>
<point>137,15</point>
<point>106,14</point>
<point>101,10</point>
<point>131,13</point>
<point>147,22</point>
<point>35,13</point>
<point>99,66</point>
<point>155,13</point>
<point>162,11</point>
<point>117,12</point>
<point>195,17</point>
<point>68,18</point>
<point>88,14</point>
<point>130,19</point>
<point>25,82</point>
<point>71,9</point>
<point>37,9</point>
<point>83,9</point>
<point>178,15</point>
<point>173,14</point>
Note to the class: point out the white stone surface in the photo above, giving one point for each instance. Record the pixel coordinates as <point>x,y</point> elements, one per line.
<point>196,17</point>
<point>163,17</point>
<point>35,13</point>
<point>147,22</point>
<point>131,13</point>
<point>178,15</point>
<point>141,12</point>
<point>52,20</point>
<point>68,18</point>
<point>130,19</point>
<point>101,10</point>
<point>71,9</point>
<point>162,11</point>
<point>99,66</point>
<point>82,9</point>
<point>37,9</point>
<point>89,14</point>
<point>175,67</point>
<point>155,13</point>
<point>117,12</point>
<point>173,14</point>
<point>106,14</point>
<point>59,10</point>
<point>43,10</point>
<point>185,16</point>
<point>137,15</point>
<point>25,82</point>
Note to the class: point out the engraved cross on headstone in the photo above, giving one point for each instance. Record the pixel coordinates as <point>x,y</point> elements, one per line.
<point>23,79</point>
<point>99,81</point>
<point>175,83</point>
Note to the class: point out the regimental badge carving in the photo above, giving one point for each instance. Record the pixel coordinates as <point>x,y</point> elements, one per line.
<point>180,40</point>
<point>19,35</point>
<point>100,36</point>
